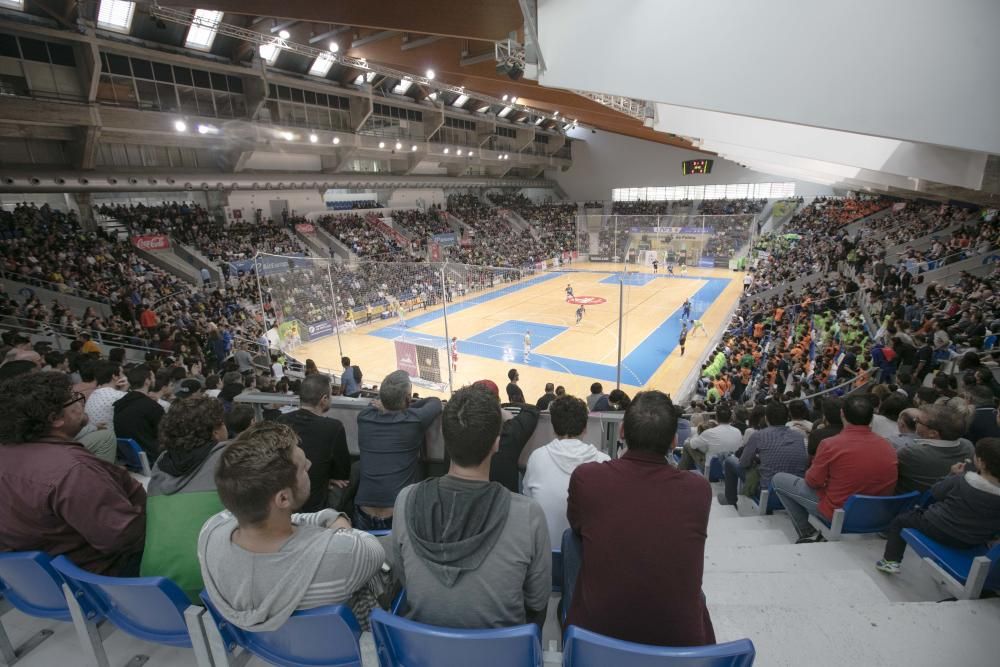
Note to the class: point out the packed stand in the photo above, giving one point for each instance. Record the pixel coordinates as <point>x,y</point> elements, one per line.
<point>731,206</point>
<point>554,224</point>
<point>362,237</point>
<point>422,225</point>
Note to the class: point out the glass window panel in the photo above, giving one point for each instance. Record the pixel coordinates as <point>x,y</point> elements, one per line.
<point>201,79</point>
<point>310,97</point>
<point>163,73</point>
<point>297,95</point>
<point>62,54</point>
<point>695,192</point>
<point>183,75</point>
<point>284,93</point>
<point>218,81</point>
<point>189,103</point>
<point>8,46</point>
<point>32,49</point>
<point>223,104</point>
<point>239,106</point>
<point>206,106</point>
<point>168,98</point>
<point>147,94</point>
<point>297,114</point>
<point>235,84</point>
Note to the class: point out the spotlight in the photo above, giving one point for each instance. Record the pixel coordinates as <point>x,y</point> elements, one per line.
<point>381,144</point>
<point>287,136</point>
<point>458,152</point>
<point>511,69</point>
<point>555,114</point>
<point>413,147</point>
<point>505,97</point>
<point>513,100</point>
<point>471,153</point>
<point>180,126</point>
<point>284,34</point>
<point>398,145</point>
<point>207,129</point>
<point>430,75</point>
<point>334,47</point>
<point>446,151</point>
<point>336,140</point>
<point>313,138</point>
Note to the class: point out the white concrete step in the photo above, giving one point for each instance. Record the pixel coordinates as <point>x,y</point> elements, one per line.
<point>751,537</point>
<point>807,590</point>
<point>866,635</point>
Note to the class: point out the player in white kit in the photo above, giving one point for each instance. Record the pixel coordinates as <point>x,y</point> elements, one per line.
<point>527,345</point>
<point>454,354</point>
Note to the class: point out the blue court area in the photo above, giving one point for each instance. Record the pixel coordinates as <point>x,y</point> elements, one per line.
<point>643,279</point>
<point>504,342</point>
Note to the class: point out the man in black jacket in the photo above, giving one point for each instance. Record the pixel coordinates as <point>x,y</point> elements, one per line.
<point>136,414</point>
<point>547,397</point>
<point>323,441</point>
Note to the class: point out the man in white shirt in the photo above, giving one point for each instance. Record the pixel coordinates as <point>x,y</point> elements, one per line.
<point>717,441</point>
<point>111,386</point>
<point>549,468</point>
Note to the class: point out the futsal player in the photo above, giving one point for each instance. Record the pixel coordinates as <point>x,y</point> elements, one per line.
<point>656,266</point>
<point>686,312</point>
<point>579,313</point>
<point>399,313</point>
<point>698,324</point>
<point>670,268</point>
<point>527,346</point>
<point>682,340</point>
<point>569,291</point>
<point>454,354</point>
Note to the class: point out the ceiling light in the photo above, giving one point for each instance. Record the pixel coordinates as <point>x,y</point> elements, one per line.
<point>460,100</point>
<point>556,113</point>
<point>471,153</point>
<point>381,144</point>
<point>458,152</point>
<point>334,47</point>
<point>503,112</point>
<point>288,136</point>
<point>413,147</point>
<point>446,151</point>
<point>284,34</point>
<point>402,87</point>
<point>513,100</point>
<point>483,109</point>
<point>336,140</point>
<point>207,129</point>
<point>505,97</point>
<point>359,80</point>
<point>321,66</point>
<point>399,145</point>
<point>433,95</point>
<point>539,121</point>
<point>269,52</point>
<point>369,77</point>
<point>204,26</point>
<point>180,126</point>
<point>430,75</point>
<point>313,138</point>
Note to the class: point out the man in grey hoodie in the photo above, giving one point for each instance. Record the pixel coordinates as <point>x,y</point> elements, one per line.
<point>470,553</point>
<point>259,561</point>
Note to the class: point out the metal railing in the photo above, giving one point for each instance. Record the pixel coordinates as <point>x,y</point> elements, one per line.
<point>62,288</point>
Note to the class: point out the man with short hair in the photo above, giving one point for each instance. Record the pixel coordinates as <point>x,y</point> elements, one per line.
<point>470,553</point>
<point>719,441</point>
<point>350,384</point>
<point>546,477</point>
<point>111,386</point>
<point>885,423</point>
<point>853,461</point>
<point>136,415</point>
<point>984,421</point>
<point>55,496</point>
<point>775,449</point>
<point>938,446</point>
<point>547,397</point>
<point>907,424</point>
<point>259,560</point>
<point>596,392</point>
<point>390,438</point>
<point>322,439</point>
<point>514,393</point>
<point>611,507</point>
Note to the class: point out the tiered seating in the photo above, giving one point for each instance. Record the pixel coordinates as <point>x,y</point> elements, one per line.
<point>554,224</point>
<point>422,224</point>
<point>731,206</point>
<point>361,237</point>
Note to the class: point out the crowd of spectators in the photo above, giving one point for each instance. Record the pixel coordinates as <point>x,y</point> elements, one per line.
<point>363,238</point>
<point>731,206</point>
<point>422,225</point>
<point>554,224</point>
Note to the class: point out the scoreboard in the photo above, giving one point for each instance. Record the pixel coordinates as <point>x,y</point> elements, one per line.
<point>696,167</point>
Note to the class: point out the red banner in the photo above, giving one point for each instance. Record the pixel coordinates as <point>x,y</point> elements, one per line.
<point>386,229</point>
<point>151,242</point>
<point>435,252</point>
<point>305,228</point>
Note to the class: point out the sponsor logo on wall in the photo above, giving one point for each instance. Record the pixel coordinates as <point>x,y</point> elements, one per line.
<point>151,242</point>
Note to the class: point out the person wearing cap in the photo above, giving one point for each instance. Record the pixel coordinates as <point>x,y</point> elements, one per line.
<point>514,435</point>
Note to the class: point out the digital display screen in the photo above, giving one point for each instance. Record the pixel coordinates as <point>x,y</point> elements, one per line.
<point>697,167</point>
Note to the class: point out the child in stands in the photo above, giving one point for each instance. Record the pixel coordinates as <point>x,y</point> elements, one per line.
<point>965,512</point>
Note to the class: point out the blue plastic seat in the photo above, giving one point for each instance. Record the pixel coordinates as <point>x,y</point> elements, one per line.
<point>326,636</point>
<point>134,456</point>
<point>557,571</point>
<point>864,515</point>
<point>966,572</point>
<point>583,648</point>
<point>153,609</point>
<point>768,502</point>
<point>713,467</point>
<point>404,643</point>
<point>30,583</point>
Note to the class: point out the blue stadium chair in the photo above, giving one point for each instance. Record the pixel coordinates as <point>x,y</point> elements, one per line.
<point>401,642</point>
<point>964,572</point>
<point>582,648</point>
<point>133,456</point>
<point>864,515</point>
<point>29,584</point>
<point>713,467</point>
<point>768,503</point>
<point>325,635</point>
<point>153,609</point>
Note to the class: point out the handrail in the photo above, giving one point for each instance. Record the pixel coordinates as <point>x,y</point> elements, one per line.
<point>72,333</point>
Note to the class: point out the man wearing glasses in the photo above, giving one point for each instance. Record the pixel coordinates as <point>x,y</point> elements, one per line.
<point>55,496</point>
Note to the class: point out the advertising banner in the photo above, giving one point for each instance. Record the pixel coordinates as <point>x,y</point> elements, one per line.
<point>340,205</point>
<point>706,261</point>
<point>305,228</point>
<point>446,239</point>
<point>406,358</point>
<point>319,329</point>
<point>151,242</point>
<point>271,264</point>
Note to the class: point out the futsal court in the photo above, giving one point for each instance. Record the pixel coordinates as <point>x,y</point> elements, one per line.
<point>490,328</point>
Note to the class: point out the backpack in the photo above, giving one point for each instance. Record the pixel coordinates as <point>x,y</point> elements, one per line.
<point>357,374</point>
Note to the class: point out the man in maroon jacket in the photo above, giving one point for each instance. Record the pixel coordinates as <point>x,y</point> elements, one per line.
<point>641,511</point>
<point>55,496</point>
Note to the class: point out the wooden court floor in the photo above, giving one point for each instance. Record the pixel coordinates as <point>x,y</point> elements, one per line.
<point>563,352</point>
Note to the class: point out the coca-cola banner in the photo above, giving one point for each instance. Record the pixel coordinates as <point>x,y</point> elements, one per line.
<point>305,228</point>
<point>151,242</point>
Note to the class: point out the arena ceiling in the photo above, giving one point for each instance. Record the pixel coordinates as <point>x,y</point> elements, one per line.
<point>455,38</point>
